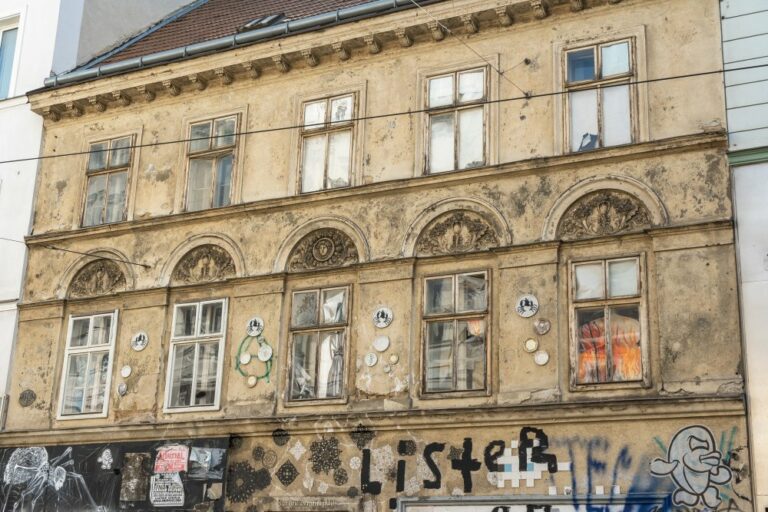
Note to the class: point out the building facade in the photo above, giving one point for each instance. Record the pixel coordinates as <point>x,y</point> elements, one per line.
<point>745,55</point>
<point>467,256</point>
<point>38,38</point>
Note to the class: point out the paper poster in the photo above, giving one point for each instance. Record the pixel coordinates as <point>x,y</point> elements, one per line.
<point>206,464</point>
<point>171,459</point>
<point>166,490</point>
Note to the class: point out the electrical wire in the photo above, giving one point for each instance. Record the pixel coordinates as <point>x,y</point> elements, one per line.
<point>525,97</point>
<point>98,257</point>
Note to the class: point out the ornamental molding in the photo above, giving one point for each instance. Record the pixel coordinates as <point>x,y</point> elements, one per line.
<point>455,232</point>
<point>203,264</point>
<point>101,277</point>
<point>603,213</point>
<point>323,248</point>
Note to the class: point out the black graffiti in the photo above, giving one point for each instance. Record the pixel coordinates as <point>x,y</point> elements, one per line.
<point>534,508</point>
<point>537,451</point>
<point>500,509</point>
<point>491,455</point>
<point>466,464</point>
<point>367,485</point>
<point>428,451</point>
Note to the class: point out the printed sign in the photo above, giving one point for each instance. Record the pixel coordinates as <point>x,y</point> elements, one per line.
<point>171,459</point>
<point>166,490</point>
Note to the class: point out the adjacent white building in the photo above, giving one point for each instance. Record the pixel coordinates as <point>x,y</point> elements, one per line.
<point>745,54</point>
<point>37,38</point>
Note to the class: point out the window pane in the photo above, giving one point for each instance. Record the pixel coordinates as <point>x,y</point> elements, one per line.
<point>615,59</point>
<point>441,91</point>
<point>441,143</point>
<point>590,282</point>
<point>95,383</point>
<point>330,365</point>
<point>223,181</point>
<point>341,109</point>
<point>439,363</point>
<point>471,85</point>
<point>80,328</point>
<point>102,325</point>
<point>7,49</point>
<point>583,120</point>
<point>199,186</point>
<point>581,65</point>
<point>616,117</point>
<point>340,146</point>
<point>592,357</point>
<point>334,306</point>
<point>626,356</point>
<point>185,320</point>
<point>471,138</point>
<point>439,297</point>
<point>97,159</point>
<point>313,163</point>
<point>304,312</point>
<point>472,292</point>
<point>199,135</point>
<point>94,200</point>
<point>74,386</point>
<point>622,278</point>
<point>314,114</point>
<point>470,355</point>
<point>224,130</point>
<point>207,365</point>
<point>181,378</point>
<point>120,154</point>
<point>304,366</point>
<point>210,318</point>
<point>116,197</point>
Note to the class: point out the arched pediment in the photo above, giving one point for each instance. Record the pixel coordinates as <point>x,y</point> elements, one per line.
<point>457,231</point>
<point>100,277</point>
<point>202,264</point>
<point>322,248</point>
<point>603,213</point>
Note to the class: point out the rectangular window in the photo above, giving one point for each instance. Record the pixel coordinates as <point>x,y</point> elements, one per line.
<point>599,95</point>
<point>211,154</point>
<point>107,170</point>
<point>197,345</point>
<point>456,120</point>
<point>319,329</point>
<point>605,307</point>
<point>8,36</point>
<point>455,332</point>
<point>88,365</point>
<point>326,143</point>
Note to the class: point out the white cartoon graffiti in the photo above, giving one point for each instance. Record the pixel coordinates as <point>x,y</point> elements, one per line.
<point>30,470</point>
<point>695,465</point>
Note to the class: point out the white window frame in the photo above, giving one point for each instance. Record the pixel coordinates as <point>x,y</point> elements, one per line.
<point>640,299</point>
<point>455,107</point>
<point>69,351</point>
<point>318,328</point>
<point>455,316</point>
<point>9,23</point>
<point>196,338</point>
<point>107,171</point>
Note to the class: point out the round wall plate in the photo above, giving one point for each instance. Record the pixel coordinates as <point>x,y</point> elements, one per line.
<point>527,305</point>
<point>139,341</point>
<point>265,353</point>
<point>541,357</point>
<point>122,389</point>
<point>126,371</point>
<point>252,380</point>
<point>381,343</point>
<point>255,326</point>
<point>394,358</point>
<point>245,358</point>
<point>531,345</point>
<point>382,317</point>
<point>542,326</point>
<point>371,359</point>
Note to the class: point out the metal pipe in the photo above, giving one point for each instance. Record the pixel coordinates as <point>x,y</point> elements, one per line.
<point>302,24</point>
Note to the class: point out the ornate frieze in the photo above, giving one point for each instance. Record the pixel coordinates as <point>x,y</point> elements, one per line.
<point>100,277</point>
<point>323,248</point>
<point>605,212</point>
<point>457,232</point>
<point>202,264</point>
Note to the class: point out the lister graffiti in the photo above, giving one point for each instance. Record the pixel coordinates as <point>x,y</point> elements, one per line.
<point>117,476</point>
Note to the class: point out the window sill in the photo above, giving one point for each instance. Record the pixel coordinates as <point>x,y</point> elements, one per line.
<point>442,395</point>
<point>315,402</point>
<point>87,416</point>
<point>609,386</point>
<point>201,408</point>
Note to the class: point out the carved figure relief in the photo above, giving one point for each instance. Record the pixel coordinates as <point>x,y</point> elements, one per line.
<point>457,232</point>
<point>605,212</point>
<point>203,264</point>
<point>100,277</point>
<point>323,248</point>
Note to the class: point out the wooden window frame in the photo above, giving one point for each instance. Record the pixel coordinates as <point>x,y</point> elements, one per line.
<point>109,171</point>
<point>214,153</point>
